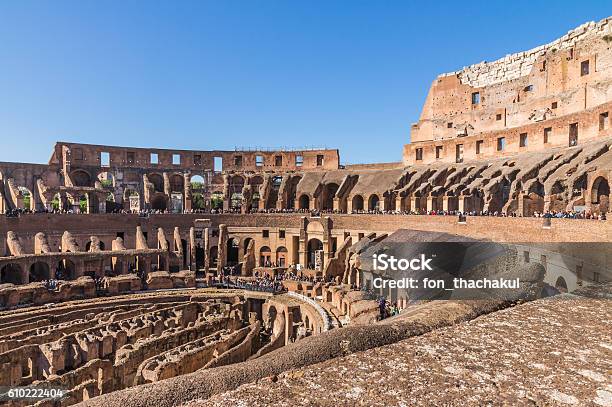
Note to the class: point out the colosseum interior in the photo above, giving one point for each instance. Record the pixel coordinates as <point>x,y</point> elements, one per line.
<point>144,276</point>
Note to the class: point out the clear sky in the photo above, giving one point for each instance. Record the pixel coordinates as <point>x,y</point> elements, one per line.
<point>223,74</point>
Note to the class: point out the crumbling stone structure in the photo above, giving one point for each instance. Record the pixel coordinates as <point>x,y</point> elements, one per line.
<point>526,134</point>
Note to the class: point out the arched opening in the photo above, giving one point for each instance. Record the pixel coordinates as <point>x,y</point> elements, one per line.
<point>561,285</point>
<point>177,183</point>
<point>157,181</point>
<point>197,182</point>
<point>269,322</point>
<point>315,254</point>
<point>214,254</point>
<point>159,202</point>
<point>273,194</point>
<point>197,201</point>
<point>56,202</point>
<point>197,192</point>
<point>374,203</point>
<point>535,199</point>
<point>265,257</point>
<point>281,256</point>
<point>357,203</point>
<point>83,204</point>
<point>329,192</point>
<point>199,257</point>
<point>11,274</point>
<point>80,178</point>
<point>505,192</point>
<point>304,202</point>
<point>600,194</point>
<point>106,179</point>
<point>39,271</point>
<point>66,270</point>
<point>236,184</point>
<point>216,200</point>
<point>291,191</point>
<point>232,251</point>
<point>25,199</point>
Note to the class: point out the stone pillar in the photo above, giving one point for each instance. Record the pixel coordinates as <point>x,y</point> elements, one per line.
<point>206,249</point>
<point>413,202</point>
<point>141,242</point>
<point>167,188</point>
<point>187,197</point>
<point>445,203</point>
<point>430,203</point>
<point>398,203</point>
<point>303,252</point>
<point>222,248</point>
<point>248,263</point>
<point>461,203</point>
<point>382,204</point>
<point>192,250</point>
<point>226,193</point>
<point>548,200</point>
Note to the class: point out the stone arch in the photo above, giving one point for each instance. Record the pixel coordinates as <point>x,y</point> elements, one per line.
<point>315,254</point>
<point>159,202</point>
<point>80,178</point>
<point>177,183</point>
<point>291,191</point>
<point>373,202</point>
<point>233,247</point>
<point>216,199</point>
<point>561,284</point>
<point>534,201</point>
<point>357,203</point>
<point>198,180</point>
<point>265,256</point>
<point>304,202</point>
<point>25,200</point>
<point>107,179</point>
<point>11,273</point>
<point>66,270</point>
<point>274,191</point>
<point>329,192</point>
<point>256,180</point>
<point>281,256</point>
<point>158,182</point>
<point>600,191</point>
<point>315,226</point>
<point>557,188</point>
<point>39,271</point>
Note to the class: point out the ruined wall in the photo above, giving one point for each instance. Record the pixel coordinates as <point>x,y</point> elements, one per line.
<point>545,85</point>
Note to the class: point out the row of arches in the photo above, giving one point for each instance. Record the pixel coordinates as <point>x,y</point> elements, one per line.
<point>38,271</point>
<point>358,202</point>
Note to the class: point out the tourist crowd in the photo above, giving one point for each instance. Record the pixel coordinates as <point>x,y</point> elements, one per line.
<point>13,213</point>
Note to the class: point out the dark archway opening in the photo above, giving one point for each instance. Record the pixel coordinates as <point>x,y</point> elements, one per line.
<point>39,271</point>
<point>232,252</point>
<point>315,254</point>
<point>12,274</point>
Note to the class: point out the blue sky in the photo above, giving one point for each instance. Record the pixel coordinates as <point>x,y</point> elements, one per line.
<point>223,74</point>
